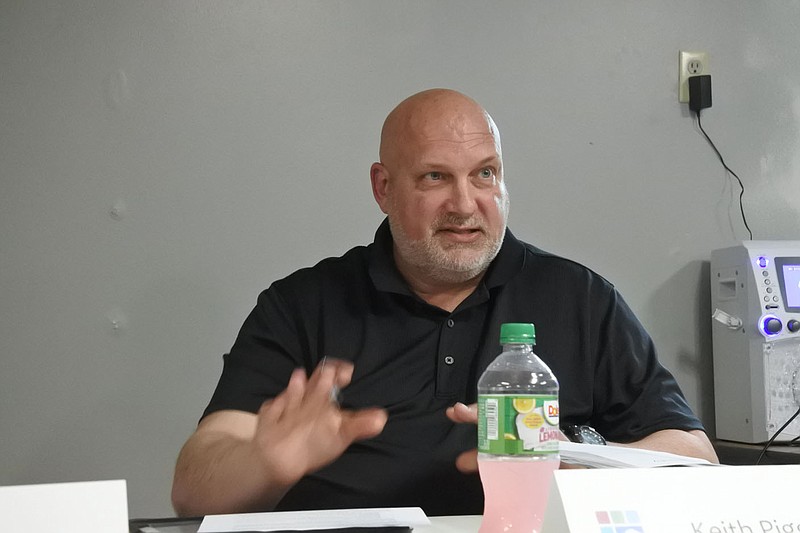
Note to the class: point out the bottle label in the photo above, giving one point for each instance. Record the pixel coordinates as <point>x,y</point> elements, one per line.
<point>519,424</point>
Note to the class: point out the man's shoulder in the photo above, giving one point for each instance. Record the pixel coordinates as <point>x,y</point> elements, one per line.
<point>347,266</point>
<point>540,262</point>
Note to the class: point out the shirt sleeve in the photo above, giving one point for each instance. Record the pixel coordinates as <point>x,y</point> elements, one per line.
<point>262,358</point>
<point>635,395</point>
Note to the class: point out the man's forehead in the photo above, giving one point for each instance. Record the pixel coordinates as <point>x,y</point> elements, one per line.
<point>454,125</point>
<point>458,143</point>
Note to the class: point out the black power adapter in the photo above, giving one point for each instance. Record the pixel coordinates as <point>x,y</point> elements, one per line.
<point>699,92</point>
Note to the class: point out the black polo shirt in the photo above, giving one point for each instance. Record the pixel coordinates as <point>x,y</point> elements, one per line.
<point>415,360</point>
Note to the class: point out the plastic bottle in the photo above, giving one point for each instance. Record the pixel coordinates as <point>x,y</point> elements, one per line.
<point>518,434</point>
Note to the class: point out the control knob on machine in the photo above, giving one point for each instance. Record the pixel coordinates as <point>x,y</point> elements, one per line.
<point>772,325</point>
<point>793,325</point>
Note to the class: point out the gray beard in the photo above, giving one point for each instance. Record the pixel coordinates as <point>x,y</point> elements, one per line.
<point>445,264</point>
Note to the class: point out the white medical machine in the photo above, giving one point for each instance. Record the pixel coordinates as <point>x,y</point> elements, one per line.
<point>755,299</point>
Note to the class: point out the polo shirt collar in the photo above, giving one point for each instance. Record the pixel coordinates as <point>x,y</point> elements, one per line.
<point>382,268</point>
<point>509,261</point>
<point>386,277</point>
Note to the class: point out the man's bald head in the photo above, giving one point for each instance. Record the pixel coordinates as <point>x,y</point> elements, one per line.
<point>433,114</point>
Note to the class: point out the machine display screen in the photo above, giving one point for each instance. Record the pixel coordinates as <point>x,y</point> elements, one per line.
<point>789,277</point>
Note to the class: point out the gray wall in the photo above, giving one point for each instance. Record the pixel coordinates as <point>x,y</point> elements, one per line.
<point>162,162</point>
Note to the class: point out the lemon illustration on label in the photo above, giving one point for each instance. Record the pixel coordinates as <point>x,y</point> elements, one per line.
<point>509,436</point>
<point>523,405</point>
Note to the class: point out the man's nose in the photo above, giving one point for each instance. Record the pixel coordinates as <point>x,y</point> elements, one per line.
<point>462,197</point>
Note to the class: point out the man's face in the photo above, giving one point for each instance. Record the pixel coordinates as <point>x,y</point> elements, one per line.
<point>445,197</point>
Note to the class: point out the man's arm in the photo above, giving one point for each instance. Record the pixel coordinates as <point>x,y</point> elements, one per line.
<point>237,461</point>
<point>693,443</point>
<point>219,469</point>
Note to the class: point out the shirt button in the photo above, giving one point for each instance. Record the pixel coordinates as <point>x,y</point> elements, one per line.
<point>449,360</point>
<point>450,322</point>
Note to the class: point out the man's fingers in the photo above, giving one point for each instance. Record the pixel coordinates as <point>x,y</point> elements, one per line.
<point>314,392</point>
<point>330,375</point>
<point>289,399</point>
<point>271,410</point>
<point>363,424</point>
<point>343,370</point>
<point>461,413</point>
<point>294,392</point>
<point>467,462</point>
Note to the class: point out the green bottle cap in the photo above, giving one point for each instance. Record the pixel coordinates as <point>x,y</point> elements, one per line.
<point>513,333</point>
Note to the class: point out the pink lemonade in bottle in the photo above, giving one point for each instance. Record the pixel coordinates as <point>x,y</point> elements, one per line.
<point>518,434</point>
<point>518,494</point>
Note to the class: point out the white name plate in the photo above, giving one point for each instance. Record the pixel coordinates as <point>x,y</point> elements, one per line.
<point>82,507</point>
<point>718,499</point>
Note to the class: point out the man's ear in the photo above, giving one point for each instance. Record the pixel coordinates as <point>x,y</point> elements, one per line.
<point>379,177</point>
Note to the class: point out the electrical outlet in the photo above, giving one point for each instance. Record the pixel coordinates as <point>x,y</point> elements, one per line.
<point>690,64</point>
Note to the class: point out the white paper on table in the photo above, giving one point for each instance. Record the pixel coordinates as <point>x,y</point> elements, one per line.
<point>307,520</point>
<point>73,507</point>
<point>600,456</point>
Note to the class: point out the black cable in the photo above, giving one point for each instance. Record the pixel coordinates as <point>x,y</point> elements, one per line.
<point>721,160</point>
<point>770,441</point>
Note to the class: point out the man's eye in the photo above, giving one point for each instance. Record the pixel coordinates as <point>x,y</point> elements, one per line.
<point>433,176</point>
<point>486,173</point>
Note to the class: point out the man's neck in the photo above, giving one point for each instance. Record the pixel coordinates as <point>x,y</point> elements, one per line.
<point>442,294</point>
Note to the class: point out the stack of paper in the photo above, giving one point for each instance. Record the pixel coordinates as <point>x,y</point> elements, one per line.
<point>599,456</point>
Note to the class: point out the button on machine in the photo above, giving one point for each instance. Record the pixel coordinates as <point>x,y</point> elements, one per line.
<point>771,325</point>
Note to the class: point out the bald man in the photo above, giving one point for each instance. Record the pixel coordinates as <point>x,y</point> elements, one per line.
<point>352,383</point>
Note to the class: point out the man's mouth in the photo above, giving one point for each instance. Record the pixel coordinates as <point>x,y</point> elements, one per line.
<point>461,234</point>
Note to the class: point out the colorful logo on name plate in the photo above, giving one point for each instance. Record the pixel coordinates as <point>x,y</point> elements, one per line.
<point>618,522</point>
